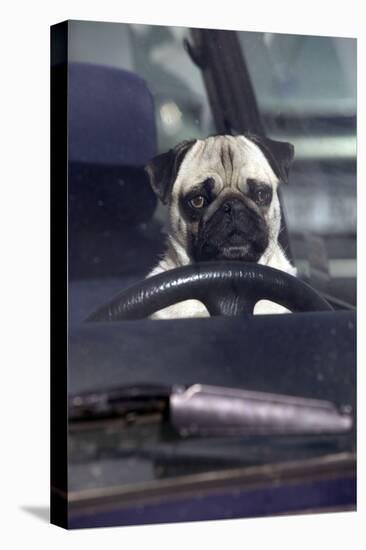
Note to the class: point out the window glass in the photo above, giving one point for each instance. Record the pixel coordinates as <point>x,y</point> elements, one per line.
<point>306,91</point>
<point>157,54</point>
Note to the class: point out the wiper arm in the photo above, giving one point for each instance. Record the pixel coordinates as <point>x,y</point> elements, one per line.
<point>126,402</point>
<point>202,410</point>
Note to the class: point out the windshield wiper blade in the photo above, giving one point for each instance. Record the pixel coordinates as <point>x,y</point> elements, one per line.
<point>211,410</point>
<point>203,410</point>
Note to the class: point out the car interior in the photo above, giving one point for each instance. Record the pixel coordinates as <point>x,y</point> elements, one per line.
<point>126,471</point>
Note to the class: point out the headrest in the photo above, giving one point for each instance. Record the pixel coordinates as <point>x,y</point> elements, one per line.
<point>111,116</point>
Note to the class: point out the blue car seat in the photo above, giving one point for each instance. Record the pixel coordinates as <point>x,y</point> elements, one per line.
<point>112,134</point>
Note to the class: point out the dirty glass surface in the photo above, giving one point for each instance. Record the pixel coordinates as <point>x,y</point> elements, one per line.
<point>306,91</point>
<point>305,87</point>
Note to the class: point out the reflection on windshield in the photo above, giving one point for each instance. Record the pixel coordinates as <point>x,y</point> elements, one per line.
<point>305,89</point>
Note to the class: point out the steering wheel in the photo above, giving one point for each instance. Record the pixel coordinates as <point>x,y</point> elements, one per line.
<point>225,288</point>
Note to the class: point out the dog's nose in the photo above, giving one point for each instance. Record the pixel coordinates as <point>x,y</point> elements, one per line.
<point>233,205</point>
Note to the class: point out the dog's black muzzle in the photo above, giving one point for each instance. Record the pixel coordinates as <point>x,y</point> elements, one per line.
<point>235,231</point>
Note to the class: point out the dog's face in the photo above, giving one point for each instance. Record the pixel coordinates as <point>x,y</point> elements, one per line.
<point>222,195</point>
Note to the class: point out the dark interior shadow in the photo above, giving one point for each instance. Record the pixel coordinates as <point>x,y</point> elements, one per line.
<point>40,512</point>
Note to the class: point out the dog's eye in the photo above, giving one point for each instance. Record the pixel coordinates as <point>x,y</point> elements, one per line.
<point>262,196</point>
<point>198,201</point>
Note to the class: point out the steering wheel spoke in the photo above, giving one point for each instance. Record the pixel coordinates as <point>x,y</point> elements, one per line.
<point>229,304</point>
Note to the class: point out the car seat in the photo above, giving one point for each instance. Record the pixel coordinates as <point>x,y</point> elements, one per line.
<point>112,134</point>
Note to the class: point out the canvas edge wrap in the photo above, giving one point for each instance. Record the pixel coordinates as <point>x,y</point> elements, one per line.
<point>59,274</point>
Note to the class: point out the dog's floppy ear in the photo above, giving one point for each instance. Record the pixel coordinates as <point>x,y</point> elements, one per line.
<point>279,154</point>
<point>163,169</point>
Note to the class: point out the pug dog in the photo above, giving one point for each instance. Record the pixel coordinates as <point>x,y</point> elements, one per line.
<point>221,195</point>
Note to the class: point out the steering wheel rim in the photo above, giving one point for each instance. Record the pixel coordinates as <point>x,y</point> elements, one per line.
<point>225,288</point>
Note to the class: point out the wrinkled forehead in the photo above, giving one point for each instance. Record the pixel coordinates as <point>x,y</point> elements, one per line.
<point>229,160</point>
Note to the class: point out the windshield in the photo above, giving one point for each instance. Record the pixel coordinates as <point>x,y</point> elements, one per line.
<point>139,90</point>
<point>303,76</point>
<point>306,91</point>
<point>305,87</point>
